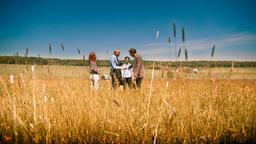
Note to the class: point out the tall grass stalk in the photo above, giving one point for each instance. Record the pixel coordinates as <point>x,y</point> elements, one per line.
<point>33,92</point>
<point>150,95</point>
<point>62,47</point>
<point>26,55</point>
<point>169,41</point>
<point>179,53</point>
<point>49,63</point>
<point>175,40</point>
<point>157,34</point>
<point>78,51</point>
<point>13,107</point>
<point>157,126</point>
<point>213,50</point>
<point>50,49</point>
<point>183,35</point>
<point>186,54</point>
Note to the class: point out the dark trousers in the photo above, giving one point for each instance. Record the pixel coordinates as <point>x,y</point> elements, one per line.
<point>138,81</point>
<point>116,77</point>
<point>127,81</point>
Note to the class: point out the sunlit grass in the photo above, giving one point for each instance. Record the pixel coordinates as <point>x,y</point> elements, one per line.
<point>187,110</point>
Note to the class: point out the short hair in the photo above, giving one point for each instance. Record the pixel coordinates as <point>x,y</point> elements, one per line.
<point>126,58</point>
<point>132,50</point>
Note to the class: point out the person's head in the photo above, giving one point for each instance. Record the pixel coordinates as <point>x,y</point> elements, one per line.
<point>132,52</point>
<point>117,52</point>
<point>92,56</point>
<point>127,59</point>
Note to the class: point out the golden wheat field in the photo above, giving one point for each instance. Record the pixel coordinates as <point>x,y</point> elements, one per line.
<point>55,104</point>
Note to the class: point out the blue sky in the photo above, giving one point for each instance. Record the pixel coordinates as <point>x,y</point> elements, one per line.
<point>105,25</point>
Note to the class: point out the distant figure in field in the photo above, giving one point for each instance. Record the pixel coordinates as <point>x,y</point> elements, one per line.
<point>127,72</point>
<point>138,67</point>
<point>115,69</point>
<point>94,71</point>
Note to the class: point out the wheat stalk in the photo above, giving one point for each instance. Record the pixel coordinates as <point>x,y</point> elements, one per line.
<point>183,41</point>
<point>157,34</point>
<point>78,50</point>
<point>33,92</point>
<point>62,46</point>
<point>50,48</point>
<point>179,52</point>
<point>157,126</point>
<point>174,35</point>
<point>150,94</point>
<point>14,107</point>
<point>213,50</point>
<point>183,35</point>
<point>169,41</point>
<point>186,54</point>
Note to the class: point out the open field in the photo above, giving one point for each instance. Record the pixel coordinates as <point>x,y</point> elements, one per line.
<point>55,104</point>
<point>59,71</point>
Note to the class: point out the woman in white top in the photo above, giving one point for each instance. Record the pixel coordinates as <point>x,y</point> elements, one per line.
<point>127,72</point>
<point>94,71</point>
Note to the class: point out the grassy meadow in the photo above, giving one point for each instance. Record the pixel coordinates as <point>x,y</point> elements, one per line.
<point>55,104</point>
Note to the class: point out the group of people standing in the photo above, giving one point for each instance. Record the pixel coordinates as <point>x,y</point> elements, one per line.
<point>121,74</point>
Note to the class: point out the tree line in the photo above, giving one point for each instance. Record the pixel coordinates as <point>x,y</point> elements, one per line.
<point>148,64</point>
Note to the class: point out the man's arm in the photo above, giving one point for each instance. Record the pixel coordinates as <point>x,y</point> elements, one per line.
<point>114,62</point>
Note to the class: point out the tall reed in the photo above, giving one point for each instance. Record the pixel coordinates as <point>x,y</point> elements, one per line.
<point>175,40</point>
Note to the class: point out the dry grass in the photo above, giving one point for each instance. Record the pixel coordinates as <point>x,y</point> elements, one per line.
<point>184,111</point>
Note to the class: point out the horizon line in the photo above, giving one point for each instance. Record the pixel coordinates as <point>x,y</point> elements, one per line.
<point>147,60</point>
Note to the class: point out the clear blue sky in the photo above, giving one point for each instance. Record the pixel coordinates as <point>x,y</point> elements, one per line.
<point>104,25</point>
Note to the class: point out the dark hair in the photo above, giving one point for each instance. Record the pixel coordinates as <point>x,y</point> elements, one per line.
<point>126,58</point>
<point>132,50</point>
